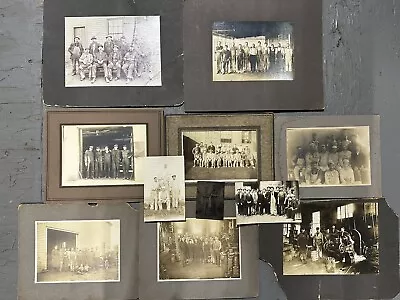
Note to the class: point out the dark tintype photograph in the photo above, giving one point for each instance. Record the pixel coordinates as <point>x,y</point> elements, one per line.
<point>251,51</point>
<point>267,202</point>
<point>112,51</point>
<point>210,200</point>
<point>98,155</point>
<point>329,156</point>
<point>199,250</point>
<point>77,251</point>
<point>220,155</point>
<point>334,238</point>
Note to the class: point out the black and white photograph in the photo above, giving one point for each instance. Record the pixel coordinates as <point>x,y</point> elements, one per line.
<point>267,202</point>
<point>252,51</point>
<point>164,188</point>
<point>220,155</point>
<point>210,200</point>
<point>335,238</point>
<point>77,251</point>
<point>102,155</point>
<point>199,250</point>
<point>112,51</point>
<point>329,156</point>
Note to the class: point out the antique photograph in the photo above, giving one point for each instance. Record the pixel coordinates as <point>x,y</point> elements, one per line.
<point>251,51</point>
<point>210,200</point>
<point>199,250</point>
<point>329,156</point>
<point>164,188</point>
<point>220,155</point>
<point>77,251</point>
<point>112,51</point>
<point>335,238</point>
<point>267,202</point>
<point>99,155</point>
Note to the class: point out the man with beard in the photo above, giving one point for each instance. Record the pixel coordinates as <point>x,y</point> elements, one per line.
<point>100,60</point>
<point>76,50</point>
<point>129,66</point>
<point>98,163</point>
<point>89,162</point>
<point>85,64</point>
<point>108,45</point>
<point>114,64</point>
<point>107,162</point>
<point>126,161</point>
<point>116,156</point>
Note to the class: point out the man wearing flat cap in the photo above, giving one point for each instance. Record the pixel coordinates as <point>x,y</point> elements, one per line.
<point>76,50</point>
<point>108,45</point>
<point>123,46</point>
<point>100,59</point>
<point>114,64</point>
<point>126,161</point>
<point>94,46</point>
<point>116,157</point>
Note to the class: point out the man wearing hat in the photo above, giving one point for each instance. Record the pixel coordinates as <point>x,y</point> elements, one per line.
<point>108,45</point>
<point>100,60</point>
<point>116,156</point>
<point>107,162</point>
<point>123,46</point>
<point>114,63</point>
<point>85,64</point>
<point>98,163</point>
<point>129,64</point>
<point>334,154</point>
<point>94,46</point>
<point>89,162</point>
<point>76,50</point>
<point>126,161</point>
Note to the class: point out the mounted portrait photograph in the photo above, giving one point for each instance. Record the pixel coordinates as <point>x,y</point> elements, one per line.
<point>267,202</point>
<point>252,51</point>
<point>335,237</point>
<point>102,155</point>
<point>77,251</point>
<point>164,188</point>
<point>329,156</point>
<point>210,200</point>
<point>199,250</point>
<point>220,155</point>
<point>112,51</point>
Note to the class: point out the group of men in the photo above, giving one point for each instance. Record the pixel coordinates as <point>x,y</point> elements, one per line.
<point>222,156</point>
<point>165,193</point>
<point>327,243</point>
<point>106,163</point>
<point>81,260</point>
<point>275,201</point>
<point>334,162</point>
<point>255,58</point>
<point>112,57</point>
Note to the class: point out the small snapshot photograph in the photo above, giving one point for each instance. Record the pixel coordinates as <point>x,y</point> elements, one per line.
<point>164,188</point>
<point>199,250</point>
<point>210,200</point>
<point>221,155</point>
<point>112,51</point>
<point>252,51</point>
<point>102,155</point>
<point>77,251</point>
<point>267,202</point>
<point>334,238</point>
<point>329,156</point>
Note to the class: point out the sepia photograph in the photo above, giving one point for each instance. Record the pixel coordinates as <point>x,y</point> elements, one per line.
<point>267,202</point>
<point>101,155</point>
<point>210,200</point>
<point>199,250</point>
<point>77,251</point>
<point>112,51</point>
<point>164,188</point>
<point>335,238</point>
<point>252,51</point>
<point>329,156</point>
<point>220,155</point>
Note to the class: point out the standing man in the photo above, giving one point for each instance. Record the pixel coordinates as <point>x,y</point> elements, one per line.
<point>175,192</point>
<point>288,59</point>
<point>358,162</point>
<point>114,64</point>
<point>94,46</point>
<point>260,57</point>
<point>233,58</point>
<point>302,241</point>
<point>107,162</point>
<point>246,50</point>
<point>196,155</point>
<point>129,65</point>
<point>218,57</point>
<point>98,163</point>
<point>85,64</point>
<point>227,60</point>
<point>89,162</point>
<point>155,192</point>
<point>318,242</point>
<point>76,50</point>
<point>253,58</point>
<point>240,59</point>
<point>108,45</point>
<point>100,60</point>
<point>217,251</point>
<point>116,156</point>
<point>123,46</point>
<point>281,197</point>
<point>272,57</point>
<point>126,161</point>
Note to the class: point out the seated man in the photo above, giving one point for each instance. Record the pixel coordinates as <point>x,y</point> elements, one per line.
<point>85,64</point>
<point>129,66</point>
<point>114,63</point>
<point>100,60</point>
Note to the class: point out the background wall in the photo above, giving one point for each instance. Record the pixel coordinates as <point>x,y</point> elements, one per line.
<point>361,61</point>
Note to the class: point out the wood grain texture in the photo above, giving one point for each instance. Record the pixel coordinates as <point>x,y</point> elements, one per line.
<point>361,73</point>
